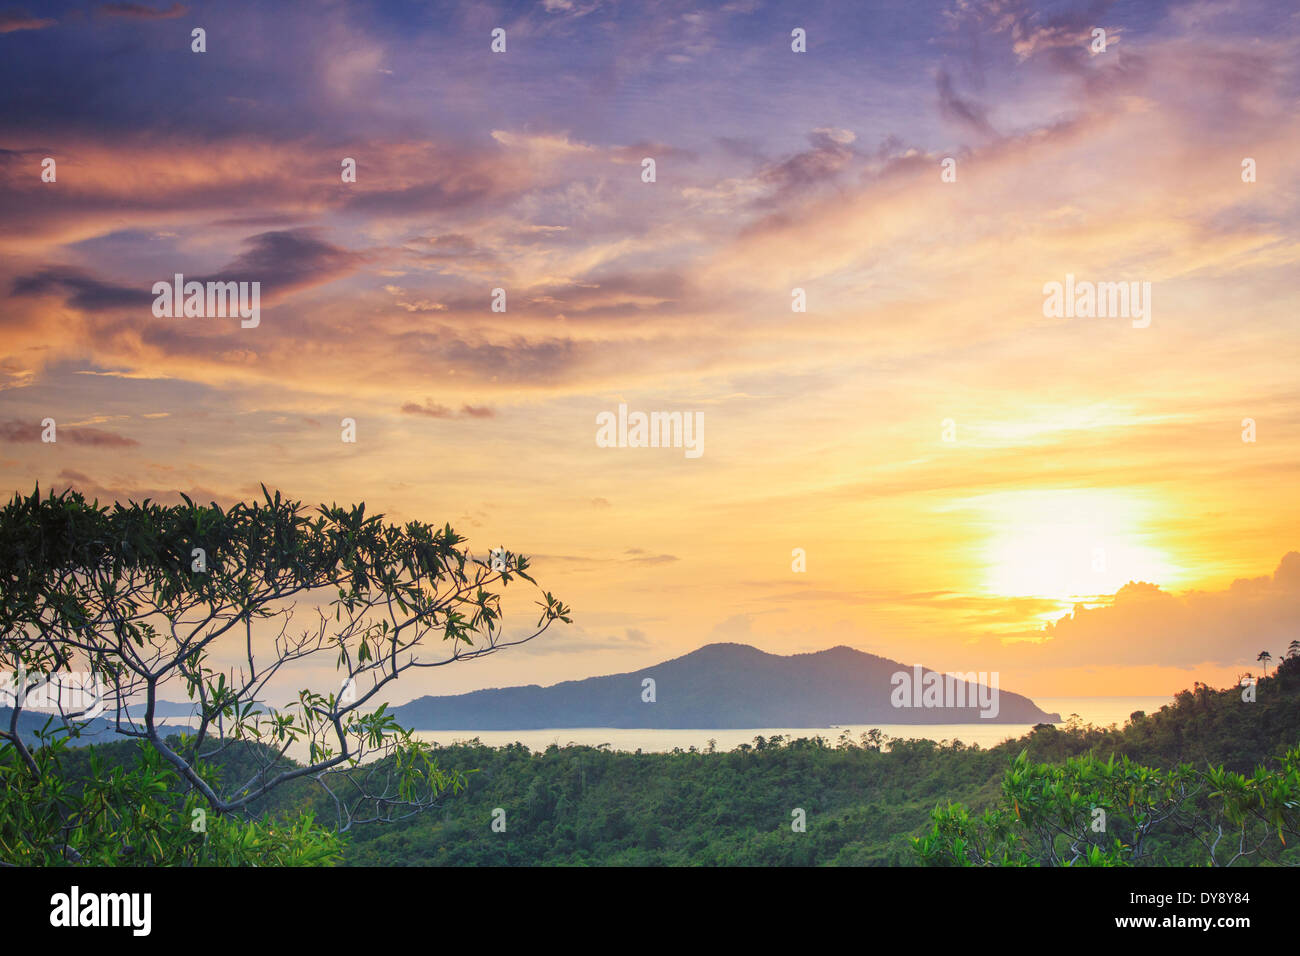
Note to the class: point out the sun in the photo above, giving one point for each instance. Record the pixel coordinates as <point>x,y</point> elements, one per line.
<point>1069,545</point>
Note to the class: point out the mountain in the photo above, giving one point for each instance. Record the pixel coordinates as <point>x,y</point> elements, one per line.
<point>94,731</point>
<point>719,686</point>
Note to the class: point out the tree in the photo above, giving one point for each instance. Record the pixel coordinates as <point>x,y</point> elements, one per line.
<point>1293,650</point>
<point>1090,812</point>
<point>103,815</point>
<point>199,601</point>
<point>1264,658</point>
<point>874,739</point>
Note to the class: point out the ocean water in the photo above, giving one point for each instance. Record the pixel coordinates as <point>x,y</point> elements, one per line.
<point>1101,711</point>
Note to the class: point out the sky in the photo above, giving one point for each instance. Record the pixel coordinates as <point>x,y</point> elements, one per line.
<point>973,483</point>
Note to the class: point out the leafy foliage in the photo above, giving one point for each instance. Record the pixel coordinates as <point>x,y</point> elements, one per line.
<point>137,814</point>
<point>147,597</point>
<point>1090,812</point>
<point>867,800</point>
<point>1108,812</point>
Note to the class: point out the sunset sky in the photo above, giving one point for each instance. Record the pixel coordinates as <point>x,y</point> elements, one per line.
<point>775,170</point>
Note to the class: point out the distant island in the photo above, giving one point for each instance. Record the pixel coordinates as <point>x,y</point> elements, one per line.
<point>730,686</point>
<point>31,723</point>
<point>718,686</point>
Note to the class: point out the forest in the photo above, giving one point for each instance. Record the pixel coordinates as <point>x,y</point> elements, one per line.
<point>1211,764</point>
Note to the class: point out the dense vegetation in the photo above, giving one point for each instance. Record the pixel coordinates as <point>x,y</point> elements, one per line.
<point>123,804</point>
<point>145,598</point>
<point>864,804</point>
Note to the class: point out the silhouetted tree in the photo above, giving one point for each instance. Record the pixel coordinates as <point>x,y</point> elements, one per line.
<point>198,603</point>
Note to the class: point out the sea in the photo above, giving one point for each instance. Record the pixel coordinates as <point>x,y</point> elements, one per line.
<point>1099,711</point>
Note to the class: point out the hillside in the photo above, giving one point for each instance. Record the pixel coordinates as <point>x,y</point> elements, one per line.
<point>863,801</point>
<point>589,806</point>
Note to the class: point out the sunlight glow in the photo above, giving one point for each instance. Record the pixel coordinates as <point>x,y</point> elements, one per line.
<point>1069,545</point>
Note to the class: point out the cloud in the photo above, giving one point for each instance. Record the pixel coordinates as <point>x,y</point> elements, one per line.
<point>575,639</point>
<point>125,490</point>
<point>655,559</point>
<point>139,11</point>
<point>434,410</point>
<point>451,246</point>
<point>966,112</point>
<point>19,431</point>
<point>82,291</point>
<point>639,555</point>
<point>739,629</point>
<point>427,410</point>
<point>14,20</point>
<point>288,260</point>
<point>636,152</point>
<point>1145,625</point>
<point>77,477</point>
<point>283,262</point>
<point>783,184</point>
<point>1061,30</point>
<point>517,360</point>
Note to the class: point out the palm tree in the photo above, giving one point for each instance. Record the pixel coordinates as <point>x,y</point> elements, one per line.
<point>1264,657</point>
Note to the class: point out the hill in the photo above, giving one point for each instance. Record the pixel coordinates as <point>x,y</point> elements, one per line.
<point>724,686</point>
<point>94,731</point>
<point>863,801</point>
<point>588,806</point>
